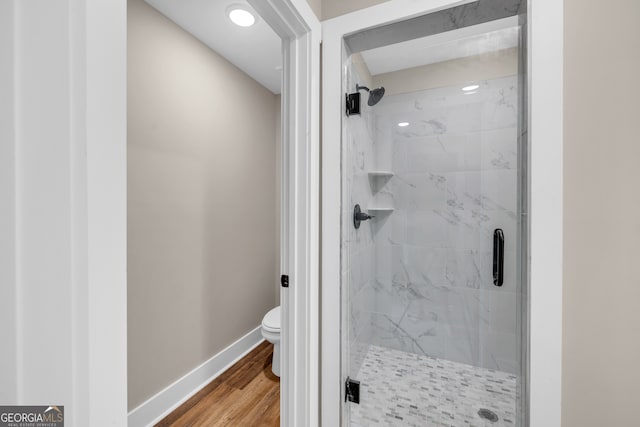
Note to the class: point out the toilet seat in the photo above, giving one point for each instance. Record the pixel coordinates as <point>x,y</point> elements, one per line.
<point>271,320</point>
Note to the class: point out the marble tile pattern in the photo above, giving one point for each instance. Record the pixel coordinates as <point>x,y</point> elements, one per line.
<point>358,250</point>
<point>465,15</point>
<point>417,281</point>
<point>455,181</point>
<point>405,389</point>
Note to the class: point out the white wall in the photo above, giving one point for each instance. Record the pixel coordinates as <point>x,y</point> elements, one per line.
<point>44,208</point>
<point>8,290</point>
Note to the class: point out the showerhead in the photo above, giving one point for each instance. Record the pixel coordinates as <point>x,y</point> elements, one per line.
<point>375,95</point>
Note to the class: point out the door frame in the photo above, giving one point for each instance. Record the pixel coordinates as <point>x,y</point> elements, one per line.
<point>545,84</point>
<point>300,31</point>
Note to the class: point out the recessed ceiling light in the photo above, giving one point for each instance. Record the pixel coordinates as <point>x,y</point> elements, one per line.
<point>241,16</point>
<point>403,124</point>
<point>470,88</point>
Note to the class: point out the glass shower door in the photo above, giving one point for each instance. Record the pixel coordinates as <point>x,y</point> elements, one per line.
<point>431,288</point>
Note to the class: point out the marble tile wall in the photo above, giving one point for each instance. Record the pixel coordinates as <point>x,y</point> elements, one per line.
<point>455,181</point>
<point>358,249</point>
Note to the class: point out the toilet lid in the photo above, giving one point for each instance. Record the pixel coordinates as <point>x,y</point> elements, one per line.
<point>271,320</point>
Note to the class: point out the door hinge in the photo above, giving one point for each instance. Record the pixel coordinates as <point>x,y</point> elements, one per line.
<point>352,391</point>
<point>353,103</point>
<point>284,281</point>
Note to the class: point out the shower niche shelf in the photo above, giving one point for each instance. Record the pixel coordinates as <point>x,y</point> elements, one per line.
<point>384,174</point>
<point>381,203</point>
<point>380,209</point>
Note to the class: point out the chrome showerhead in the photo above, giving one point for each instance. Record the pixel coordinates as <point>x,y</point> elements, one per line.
<point>375,95</point>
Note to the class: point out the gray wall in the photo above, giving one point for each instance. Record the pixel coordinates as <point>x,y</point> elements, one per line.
<point>601,344</point>
<point>333,8</point>
<point>316,6</point>
<point>201,202</point>
<point>278,201</point>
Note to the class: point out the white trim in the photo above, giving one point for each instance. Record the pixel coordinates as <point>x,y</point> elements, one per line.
<point>97,94</point>
<point>101,309</point>
<point>299,29</point>
<point>69,184</point>
<point>163,403</point>
<point>545,189</point>
<point>545,109</point>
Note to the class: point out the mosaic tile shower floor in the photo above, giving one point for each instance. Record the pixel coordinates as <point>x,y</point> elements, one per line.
<point>405,389</point>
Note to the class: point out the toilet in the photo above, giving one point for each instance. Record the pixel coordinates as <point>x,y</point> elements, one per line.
<point>271,332</point>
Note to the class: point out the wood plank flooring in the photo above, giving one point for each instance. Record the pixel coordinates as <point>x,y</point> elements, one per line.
<point>248,394</point>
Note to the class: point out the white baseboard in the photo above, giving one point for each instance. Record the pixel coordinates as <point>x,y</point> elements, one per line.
<point>161,405</point>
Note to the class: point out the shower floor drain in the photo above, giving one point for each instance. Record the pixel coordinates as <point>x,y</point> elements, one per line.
<point>488,415</point>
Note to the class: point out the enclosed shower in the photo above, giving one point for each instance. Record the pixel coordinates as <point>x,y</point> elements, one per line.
<point>434,221</point>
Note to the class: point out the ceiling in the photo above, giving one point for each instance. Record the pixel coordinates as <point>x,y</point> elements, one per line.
<point>256,50</point>
<point>468,41</point>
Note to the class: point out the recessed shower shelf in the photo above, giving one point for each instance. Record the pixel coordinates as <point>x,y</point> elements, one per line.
<point>380,209</point>
<point>381,173</point>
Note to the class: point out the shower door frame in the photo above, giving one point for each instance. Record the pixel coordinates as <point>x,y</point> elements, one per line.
<point>545,86</point>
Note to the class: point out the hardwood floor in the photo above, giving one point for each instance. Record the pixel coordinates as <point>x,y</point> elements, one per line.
<point>248,394</point>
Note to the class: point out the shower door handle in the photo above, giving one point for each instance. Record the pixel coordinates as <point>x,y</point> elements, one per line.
<point>498,257</point>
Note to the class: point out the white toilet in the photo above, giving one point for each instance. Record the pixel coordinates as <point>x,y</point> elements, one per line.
<point>271,332</point>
